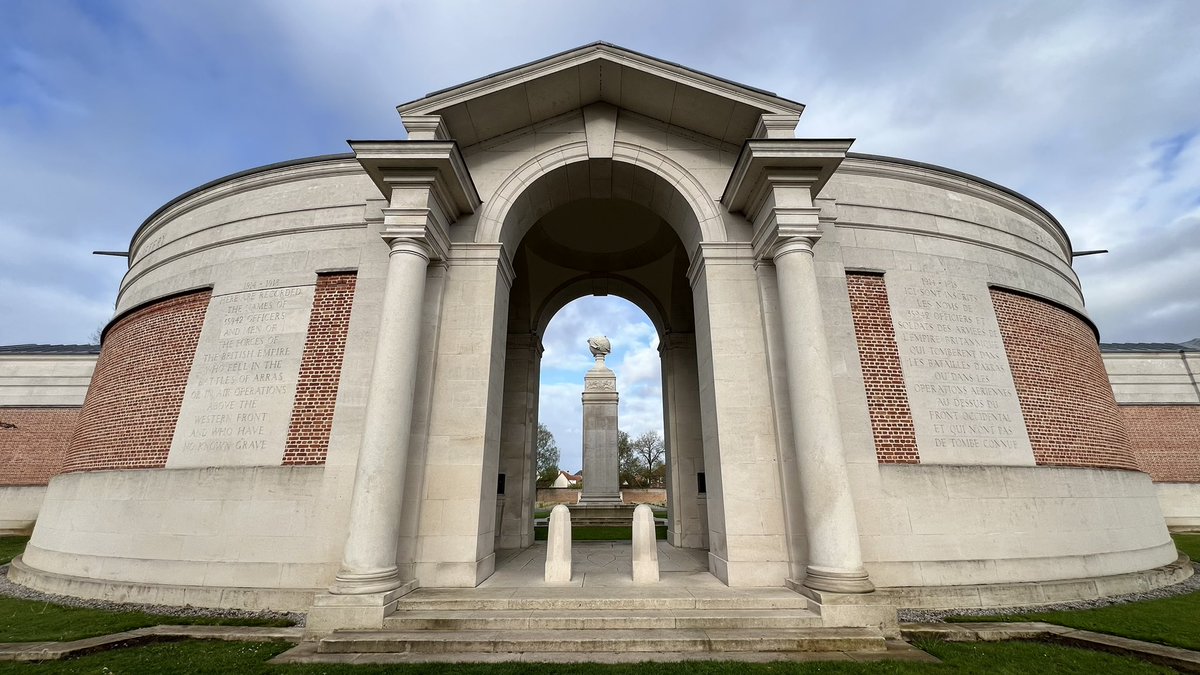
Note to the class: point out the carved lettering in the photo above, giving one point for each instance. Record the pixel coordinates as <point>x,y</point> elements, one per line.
<point>960,390</point>
<point>237,404</point>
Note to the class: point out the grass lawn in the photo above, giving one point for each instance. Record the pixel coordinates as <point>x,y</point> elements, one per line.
<point>1189,544</point>
<point>30,621</point>
<point>1171,621</point>
<point>197,658</point>
<point>599,533</point>
<point>11,547</point>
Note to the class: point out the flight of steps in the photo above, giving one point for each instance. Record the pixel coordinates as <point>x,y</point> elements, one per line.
<point>439,625</point>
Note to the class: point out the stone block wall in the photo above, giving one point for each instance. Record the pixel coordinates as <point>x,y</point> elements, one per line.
<point>33,442</point>
<point>1065,396</point>
<point>320,370</point>
<point>1166,440</point>
<point>129,415</point>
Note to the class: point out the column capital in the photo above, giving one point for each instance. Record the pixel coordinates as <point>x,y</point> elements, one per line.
<point>674,340</point>
<point>466,253</point>
<point>717,253</point>
<point>530,341</point>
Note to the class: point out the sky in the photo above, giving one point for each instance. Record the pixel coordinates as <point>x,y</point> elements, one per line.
<point>109,109</point>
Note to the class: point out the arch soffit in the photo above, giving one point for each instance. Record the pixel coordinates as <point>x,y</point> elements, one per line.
<point>502,221</point>
<point>582,286</point>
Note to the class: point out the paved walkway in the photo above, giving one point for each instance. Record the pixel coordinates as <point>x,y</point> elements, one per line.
<point>599,564</point>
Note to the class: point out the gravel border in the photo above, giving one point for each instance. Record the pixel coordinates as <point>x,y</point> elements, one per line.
<point>1189,585</point>
<point>12,590</point>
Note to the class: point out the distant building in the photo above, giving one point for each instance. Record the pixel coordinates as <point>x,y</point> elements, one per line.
<point>566,480</point>
<point>1157,386</point>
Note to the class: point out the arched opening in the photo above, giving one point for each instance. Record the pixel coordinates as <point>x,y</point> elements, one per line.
<point>589,250</point>
<point>636,361</point>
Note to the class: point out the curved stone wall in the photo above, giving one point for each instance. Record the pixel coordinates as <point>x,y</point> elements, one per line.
<point>984,443</point>
<point>242,404</point>
<point>238,404</point>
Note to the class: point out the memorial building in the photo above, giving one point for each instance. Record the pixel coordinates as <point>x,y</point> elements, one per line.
<point>880,385</point>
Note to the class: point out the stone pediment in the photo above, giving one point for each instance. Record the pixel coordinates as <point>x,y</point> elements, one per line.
<point>519,97</point>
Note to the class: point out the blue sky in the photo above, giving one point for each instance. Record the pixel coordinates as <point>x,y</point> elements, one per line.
<point>109,109</point>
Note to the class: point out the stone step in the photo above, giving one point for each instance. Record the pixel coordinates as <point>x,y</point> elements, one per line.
<point>600,619</point>
<point>593,641</point>
<point>602,599</point>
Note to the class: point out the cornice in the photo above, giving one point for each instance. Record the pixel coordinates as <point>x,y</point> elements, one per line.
<point>949,179</point>
<point>383,160</point>
<point>764,159</point>
<point>242,181</point>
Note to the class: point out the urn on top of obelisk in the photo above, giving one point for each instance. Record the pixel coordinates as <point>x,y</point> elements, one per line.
<point>600,347</point>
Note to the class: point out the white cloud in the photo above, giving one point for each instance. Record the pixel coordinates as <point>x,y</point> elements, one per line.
<point>566,359</point>
<point>108,110</point>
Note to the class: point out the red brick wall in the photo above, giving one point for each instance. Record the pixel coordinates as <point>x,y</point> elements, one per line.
<point>1064,391</point>
<point>1166,440</point>
<point>887,400</point>
<point>33,442</point>
<point>129,414</point>
<point>320,370</point>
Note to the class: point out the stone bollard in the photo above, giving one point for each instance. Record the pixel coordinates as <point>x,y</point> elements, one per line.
<point>645,546</point>
<point>558,546</point>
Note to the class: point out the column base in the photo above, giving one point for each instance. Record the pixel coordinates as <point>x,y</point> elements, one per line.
<point>837,581</point>
<point>871,610</point>
<point>366,611</point>
<point>364,583</point>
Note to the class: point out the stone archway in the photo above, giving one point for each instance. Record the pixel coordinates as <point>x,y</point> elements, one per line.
<point>602,246</point>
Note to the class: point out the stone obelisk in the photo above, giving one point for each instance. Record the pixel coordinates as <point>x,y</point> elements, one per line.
<point>601,484</point>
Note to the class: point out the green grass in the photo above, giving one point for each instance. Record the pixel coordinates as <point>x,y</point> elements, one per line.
<point>1189,544</point>
<point>33,621</point>
<point>202,658</point>
<point>1170,621</point>
<point>600,533</point>
<point>11,547</point>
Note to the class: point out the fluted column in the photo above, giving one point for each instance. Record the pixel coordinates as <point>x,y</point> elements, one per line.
<point>834,555</point>
<point>369,560</point>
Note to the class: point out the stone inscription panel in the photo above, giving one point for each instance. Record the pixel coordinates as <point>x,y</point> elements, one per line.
<point>960,389</point>
<point>238,402</point>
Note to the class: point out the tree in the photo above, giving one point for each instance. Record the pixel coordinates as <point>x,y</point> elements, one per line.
<point>547,456</point>
<point>627,462</point>
<point>649,451</point>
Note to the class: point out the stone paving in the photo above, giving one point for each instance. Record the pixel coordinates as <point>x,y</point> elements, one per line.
<point>600,563</point>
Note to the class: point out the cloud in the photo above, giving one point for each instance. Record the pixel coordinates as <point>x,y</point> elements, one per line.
<point>107,110</point>
<point>566,359</point>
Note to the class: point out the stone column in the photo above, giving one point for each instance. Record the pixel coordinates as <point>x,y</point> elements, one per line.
<point>684,441</point>
<point>518,440</point>
<point>601,463</point>
<point>834,555</point>
<point>369,560</point>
